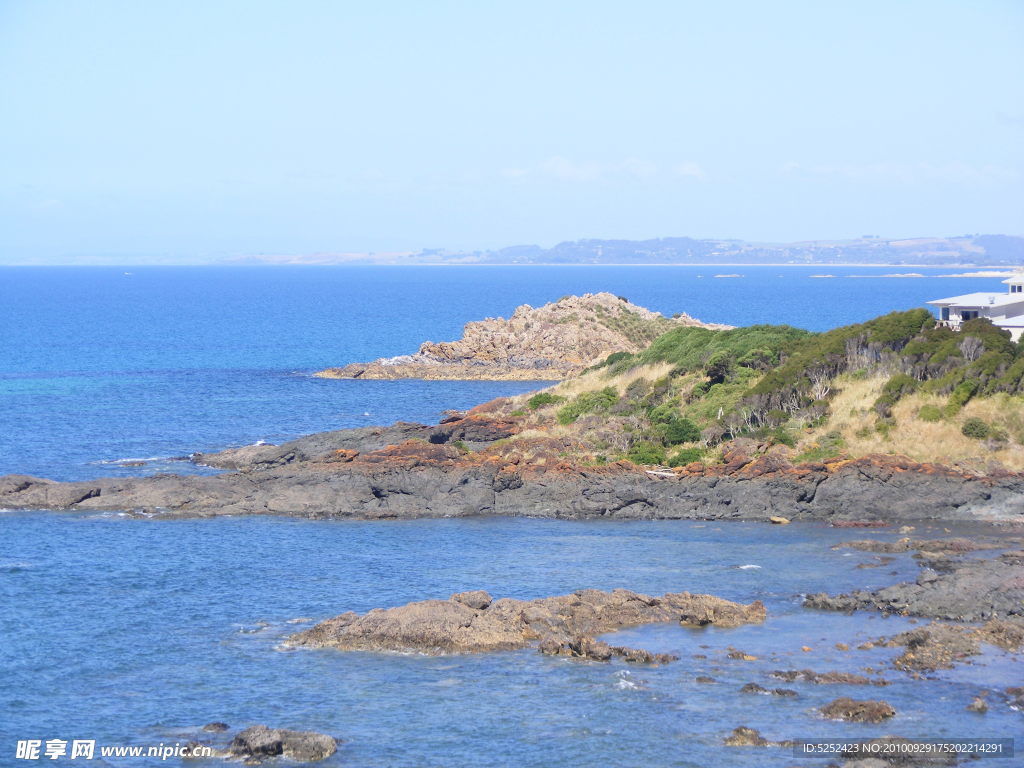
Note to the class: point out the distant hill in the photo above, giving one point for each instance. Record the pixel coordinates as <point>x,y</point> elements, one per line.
<point>966,250</point>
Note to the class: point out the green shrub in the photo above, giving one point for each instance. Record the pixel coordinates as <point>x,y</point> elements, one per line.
<point>962,394</point>
<point>616,357</point>
<point>975,428</point>
<point>930,413</point>
<point>685,456</point>
<point>543,398</point>
<point>646,453</point>
<point>587,402</point>
<point>460,446</point>
<point>896,387</point>
<point>781,436</point>
<point>829,447</point>
<point>680,430</point>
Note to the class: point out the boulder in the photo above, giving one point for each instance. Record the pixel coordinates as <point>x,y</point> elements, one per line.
<point>259,741</point>
<point>855,711</point>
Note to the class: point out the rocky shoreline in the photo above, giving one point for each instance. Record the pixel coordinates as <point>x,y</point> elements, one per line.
<point>463,466</point>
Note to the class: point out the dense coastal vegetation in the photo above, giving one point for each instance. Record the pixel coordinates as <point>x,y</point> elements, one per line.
<point>894,384</point>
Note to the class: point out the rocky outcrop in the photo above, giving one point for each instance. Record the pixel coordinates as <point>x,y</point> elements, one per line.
<point>972,590</point>
<point>464,465</point>
<point>743,736</point>
<point>260,742</point>
<point>472,622</point>
<point>418,478</point>
<point>855,711</point>
<point>551,342</point>
<point>588,648</point>
<point>940,646</point>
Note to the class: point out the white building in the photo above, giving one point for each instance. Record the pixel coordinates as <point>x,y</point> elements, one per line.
<point>1005,310</point>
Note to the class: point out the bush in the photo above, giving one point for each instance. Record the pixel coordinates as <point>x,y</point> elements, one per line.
<point>975,428</point>
<point>896,387</point>
<point>616,357</point>
<point>543,398</point>
<point>646,453</point>
<point>680,430</point>
<point>961,395</point>
<point>781,436</point>
<point>587,402</point>
<point>930,413</point>
<point>685,456</point>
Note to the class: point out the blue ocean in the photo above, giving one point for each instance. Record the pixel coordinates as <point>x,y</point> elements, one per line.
<point>137,632</point>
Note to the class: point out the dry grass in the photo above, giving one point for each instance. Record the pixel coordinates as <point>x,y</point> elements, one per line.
<point>600,379</point>
<point>942,441</point>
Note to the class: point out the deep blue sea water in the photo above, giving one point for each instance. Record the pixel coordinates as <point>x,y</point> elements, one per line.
<point>138,632</point>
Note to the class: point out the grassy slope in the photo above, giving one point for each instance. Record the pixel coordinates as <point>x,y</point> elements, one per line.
<point>892,385</point>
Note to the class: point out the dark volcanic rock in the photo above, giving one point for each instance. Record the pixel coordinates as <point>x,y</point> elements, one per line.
<point>974,590</point>
<point>451,626</point>
<point>259,742</point>
<point>412,470</point>
<point>858,711</point>
<point>215,727</point>
<point>894,752</point>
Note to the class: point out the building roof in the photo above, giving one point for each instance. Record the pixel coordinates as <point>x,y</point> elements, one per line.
<point>1017,279</point>
<point>1016,321</point>
<point>981,300</point>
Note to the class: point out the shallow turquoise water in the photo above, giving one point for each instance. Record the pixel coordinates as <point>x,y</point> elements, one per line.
<point>139,632</point>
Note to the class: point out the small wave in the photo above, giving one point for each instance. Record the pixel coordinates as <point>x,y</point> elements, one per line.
<point>748,567</point>
<point>15,567</point>
<point>134,460</point>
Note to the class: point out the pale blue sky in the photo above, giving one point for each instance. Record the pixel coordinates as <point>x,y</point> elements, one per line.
<point>190,130</point>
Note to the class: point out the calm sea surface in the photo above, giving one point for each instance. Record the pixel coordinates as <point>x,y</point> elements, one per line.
<point>138,632</point>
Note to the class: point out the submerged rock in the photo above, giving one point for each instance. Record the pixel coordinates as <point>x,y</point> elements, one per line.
<point>978,705</point>
<point>596,650</point>
<point>856,711</point>
<point>761,690</point>
<point>824,678</point>
<point>215,727</point>
<point>452,626</point>
<point>259,742</point>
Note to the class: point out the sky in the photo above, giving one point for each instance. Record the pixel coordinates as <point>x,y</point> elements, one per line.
<point>189,131</point>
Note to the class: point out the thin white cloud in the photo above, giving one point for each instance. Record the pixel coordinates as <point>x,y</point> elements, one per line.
<point>907,173</point>
<point>690,170</point>
<point>562,168</point>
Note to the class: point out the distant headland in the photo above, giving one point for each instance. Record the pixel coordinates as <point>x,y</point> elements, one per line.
<point>963,250</point>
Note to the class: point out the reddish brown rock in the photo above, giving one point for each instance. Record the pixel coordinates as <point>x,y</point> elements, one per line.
<point>453,626</point>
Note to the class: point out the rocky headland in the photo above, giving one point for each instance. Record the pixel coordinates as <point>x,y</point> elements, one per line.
<point>552,342</point>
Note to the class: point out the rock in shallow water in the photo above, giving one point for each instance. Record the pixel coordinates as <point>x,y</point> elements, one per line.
<point>856,711</point>
<point>259,742</point>
<point>452,626</point>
